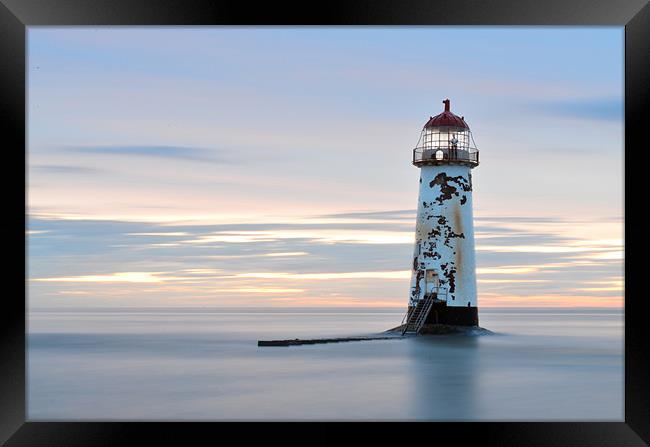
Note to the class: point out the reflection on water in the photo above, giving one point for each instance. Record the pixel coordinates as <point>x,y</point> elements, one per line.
<point>444,372</point>
<point>205,364</point>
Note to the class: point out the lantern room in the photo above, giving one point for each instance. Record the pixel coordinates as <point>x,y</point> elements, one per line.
<point>446,139</point>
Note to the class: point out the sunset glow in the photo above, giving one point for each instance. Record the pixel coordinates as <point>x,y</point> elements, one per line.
<point>240,175</point>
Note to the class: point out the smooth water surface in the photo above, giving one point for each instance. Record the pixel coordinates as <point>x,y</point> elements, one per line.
<point>204,364</point>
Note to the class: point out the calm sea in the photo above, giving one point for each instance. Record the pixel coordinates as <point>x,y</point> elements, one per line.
<point>204,364</point>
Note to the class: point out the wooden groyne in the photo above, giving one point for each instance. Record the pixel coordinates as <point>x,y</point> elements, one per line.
<point>391,334</point>
<point>315,341</point>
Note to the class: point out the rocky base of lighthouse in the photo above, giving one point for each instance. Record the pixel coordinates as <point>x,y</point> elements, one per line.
<point>444,329</point>
<point>454,316</point>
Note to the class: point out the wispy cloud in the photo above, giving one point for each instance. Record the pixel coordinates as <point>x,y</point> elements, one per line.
<point>403,274</point>
<point>602,109</point>
<point>378,215</point>
<point>541,248</point>
<point>119,277</point>
<point>34,232</point>
<point>357,236</point>
<point>259,290</point>
<point>170,152</point>
<point>506,270</point>
<point>66,169</point>
<point>160,233</point>
<point>306,263</point>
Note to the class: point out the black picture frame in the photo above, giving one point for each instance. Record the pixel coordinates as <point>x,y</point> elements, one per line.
<point>16,15</point>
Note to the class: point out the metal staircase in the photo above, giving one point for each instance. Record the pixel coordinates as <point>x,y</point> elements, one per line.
<point>416,318</point>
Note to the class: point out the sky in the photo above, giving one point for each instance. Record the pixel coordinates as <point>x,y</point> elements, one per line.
<point>248,167</point>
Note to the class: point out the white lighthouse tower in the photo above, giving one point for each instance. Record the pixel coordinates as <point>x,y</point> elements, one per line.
<point>443,282</point>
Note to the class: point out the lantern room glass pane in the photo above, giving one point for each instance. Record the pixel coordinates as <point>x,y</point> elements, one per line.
<point>445,144</point>
<point>444,138</point>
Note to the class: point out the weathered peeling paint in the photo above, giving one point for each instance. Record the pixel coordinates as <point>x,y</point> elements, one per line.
<point>445,234</point>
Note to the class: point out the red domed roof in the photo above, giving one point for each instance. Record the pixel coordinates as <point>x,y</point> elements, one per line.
<point>446,118</point>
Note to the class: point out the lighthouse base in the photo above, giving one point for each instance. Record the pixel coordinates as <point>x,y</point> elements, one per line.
<point>455,316</point>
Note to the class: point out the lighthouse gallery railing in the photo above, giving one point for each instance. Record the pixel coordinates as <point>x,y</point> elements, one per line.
<point>441,155</point>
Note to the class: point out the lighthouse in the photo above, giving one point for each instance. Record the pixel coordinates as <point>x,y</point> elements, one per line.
<point>443,281</point>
